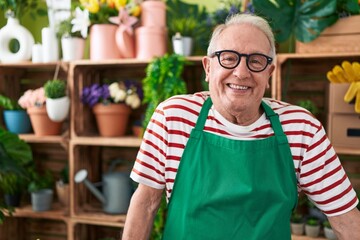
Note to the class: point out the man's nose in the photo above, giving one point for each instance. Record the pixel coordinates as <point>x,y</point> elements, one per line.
<point>241,69</point>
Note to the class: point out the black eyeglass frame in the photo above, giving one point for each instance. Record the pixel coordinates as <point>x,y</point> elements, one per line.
<point>247,56</point>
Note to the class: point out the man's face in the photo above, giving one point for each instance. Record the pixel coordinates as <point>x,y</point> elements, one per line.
<point>238,90</point>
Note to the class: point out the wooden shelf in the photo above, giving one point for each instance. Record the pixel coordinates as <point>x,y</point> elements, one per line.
<point>57,212</point>
<point>127,141</point>
<point>296,237</point>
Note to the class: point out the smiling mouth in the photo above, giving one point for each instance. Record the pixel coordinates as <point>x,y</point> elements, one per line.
<point>237,87</point>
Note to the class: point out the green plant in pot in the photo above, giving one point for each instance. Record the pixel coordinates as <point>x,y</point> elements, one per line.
<point>312,227</point>
<point>303,20</point>
<point>62,187</point>
<point>328,231</point>
<point>57,101</point>
<point>15,117</point>
<point>297,223</point>
<point>187,27</point>
<point>15,160</point>
<point>41,189</point>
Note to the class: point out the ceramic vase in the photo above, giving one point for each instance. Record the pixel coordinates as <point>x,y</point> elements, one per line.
<point>72,48</point>
<point>102,42</point>
<point>41,123</point>
<point>312,231</point>
<point>150,42</point>
<point>63,193</point>
<point>41,200</point>
<point>125,42</point>
<point>17,121</point>
<point>13,30</point>
<point>182,45</point>
<point>329,233</point>
<point>58,109</point>
<point>153,14</point>
<point>112,119</point>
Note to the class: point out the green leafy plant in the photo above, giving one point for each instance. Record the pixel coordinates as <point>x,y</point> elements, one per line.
<point>18,8</point>
<point>64,175</point>
<point>326,224</point>
<point>55,88</point>
<point>189,20</point>
<point>64,29</point>
<point>40,181</point>
<point>296,217</point>
<point>9,104</point>
<point>163,80</point>
<point>312,221</point>
<point>309,105</point>
<point>305,20</point>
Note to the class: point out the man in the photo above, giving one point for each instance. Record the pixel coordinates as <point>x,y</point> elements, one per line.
<point>231,161</point>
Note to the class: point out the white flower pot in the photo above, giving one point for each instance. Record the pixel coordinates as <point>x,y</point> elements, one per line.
<point>329,234</point>
<point>297,228</point>
<point>72,48</point>
<point>182,45</point>
<point>312,231</point>
<point>58,109</point>
<point>13,30</point>
<point>41,200</point>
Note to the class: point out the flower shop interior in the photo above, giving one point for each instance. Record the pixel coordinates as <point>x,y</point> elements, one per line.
<point>79,68</point>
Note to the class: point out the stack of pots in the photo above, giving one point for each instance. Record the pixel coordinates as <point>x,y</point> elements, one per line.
<point>151,36</point>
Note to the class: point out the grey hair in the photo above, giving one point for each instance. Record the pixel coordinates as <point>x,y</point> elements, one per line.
<point>243,18</point>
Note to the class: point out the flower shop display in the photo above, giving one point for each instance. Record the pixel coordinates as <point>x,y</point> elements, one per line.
<point>34,102</point>
<point>72,33</point>
<point>15,117</point>
<point>111,105</point>
<point>104,15</point>
<point>57,102</point>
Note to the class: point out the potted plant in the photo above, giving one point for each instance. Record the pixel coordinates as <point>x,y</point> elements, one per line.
<point>297,223</point>
<point>328,231</point>
<point>62,187</point>
<point>112,104</point>
<point>303,20</point>
<point>312,227</point>
<point>309,105</point>
<point>15,117</point>
<point>187,27</point>
<point>41,190</point>
<point>15,158</point>
<point>34,102</point>
<point>72,33</point>
<point>57,101</point>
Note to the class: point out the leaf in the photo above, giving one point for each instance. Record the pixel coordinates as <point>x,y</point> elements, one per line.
<point>305,19</point>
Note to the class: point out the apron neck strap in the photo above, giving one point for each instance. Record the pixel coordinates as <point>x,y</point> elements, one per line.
<point>270,114</point>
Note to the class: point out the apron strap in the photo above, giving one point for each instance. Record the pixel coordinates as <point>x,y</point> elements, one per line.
<point>200,123</point>
<point>275,123</point>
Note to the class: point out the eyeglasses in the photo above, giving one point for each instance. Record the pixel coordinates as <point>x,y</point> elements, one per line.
<point>229,59</point>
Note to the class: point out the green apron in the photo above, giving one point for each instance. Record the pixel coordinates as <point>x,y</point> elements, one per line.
<point>233,189</point>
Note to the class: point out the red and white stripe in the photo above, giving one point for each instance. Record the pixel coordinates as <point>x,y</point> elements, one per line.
<point>318,169</point>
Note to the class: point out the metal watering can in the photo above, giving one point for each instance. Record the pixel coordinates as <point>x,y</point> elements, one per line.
<point>117,189</point>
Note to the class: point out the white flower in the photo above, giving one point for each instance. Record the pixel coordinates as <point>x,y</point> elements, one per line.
<point>81,22</point>
<point>116,93</point>
<point>133,101</point>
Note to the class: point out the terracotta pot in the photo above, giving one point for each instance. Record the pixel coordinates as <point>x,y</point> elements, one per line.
<point>150,42</point>
<point>102,42</point>
<point>153,13</point>
<point>41,123</point>
<point>112,119</point>
<point>63,192</point>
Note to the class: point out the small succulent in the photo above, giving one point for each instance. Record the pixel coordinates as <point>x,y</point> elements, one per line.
<point>55,89</point>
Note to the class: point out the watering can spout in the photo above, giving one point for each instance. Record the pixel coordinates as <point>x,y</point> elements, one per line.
<point>81,176</point>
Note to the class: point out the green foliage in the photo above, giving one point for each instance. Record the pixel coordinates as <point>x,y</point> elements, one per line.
<point>326,224</point>
<point>20,7</point>
<point>312,221</point>
<point>64,29</point>
<point>40,181</point>
<point>190,20</point>
<point>64,174</point>
<point>303,19</point>
<point>296,217</point>
<point>309,105</point>
<point>9,104</point>
<point>163,80</point>
<point>55,89</point>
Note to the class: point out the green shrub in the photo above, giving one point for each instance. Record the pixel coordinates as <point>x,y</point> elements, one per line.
<point>55,88</point>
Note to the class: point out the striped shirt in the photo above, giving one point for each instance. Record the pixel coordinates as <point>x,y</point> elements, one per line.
<point>318,169</point>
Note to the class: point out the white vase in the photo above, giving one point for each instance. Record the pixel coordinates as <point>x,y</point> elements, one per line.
<point>329,234</point>
<point>72,48</point>
<point>50,45</point>
<point>13,30</point>
<point>182,45</point>
<point>58,109</point>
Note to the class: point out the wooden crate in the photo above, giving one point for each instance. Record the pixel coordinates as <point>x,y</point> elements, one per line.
<point>84,231</point>
<point>96,160</point>
<point>86,73</point>
<point>342,37</point>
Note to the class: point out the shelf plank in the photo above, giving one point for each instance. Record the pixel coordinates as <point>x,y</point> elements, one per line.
<point>127,141</point>
<point>296,237</point>
<point>55,213</point>
<point>101,219</point>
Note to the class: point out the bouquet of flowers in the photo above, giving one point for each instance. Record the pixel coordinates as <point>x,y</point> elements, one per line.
<point>116,92</point>
<point>32,98</point>
<point>100,11</point>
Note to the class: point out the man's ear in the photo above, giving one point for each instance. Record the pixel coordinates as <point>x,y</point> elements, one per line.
<point>206,66</point>
<point>271,72</point>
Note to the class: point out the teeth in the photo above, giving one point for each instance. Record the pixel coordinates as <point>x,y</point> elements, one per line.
<point>238,87</point>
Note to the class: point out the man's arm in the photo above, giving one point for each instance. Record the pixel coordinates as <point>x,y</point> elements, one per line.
<point>140,217</point>
<point>347,225</point>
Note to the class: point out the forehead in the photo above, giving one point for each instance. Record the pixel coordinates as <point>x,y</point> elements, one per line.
<point>244,38</point>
